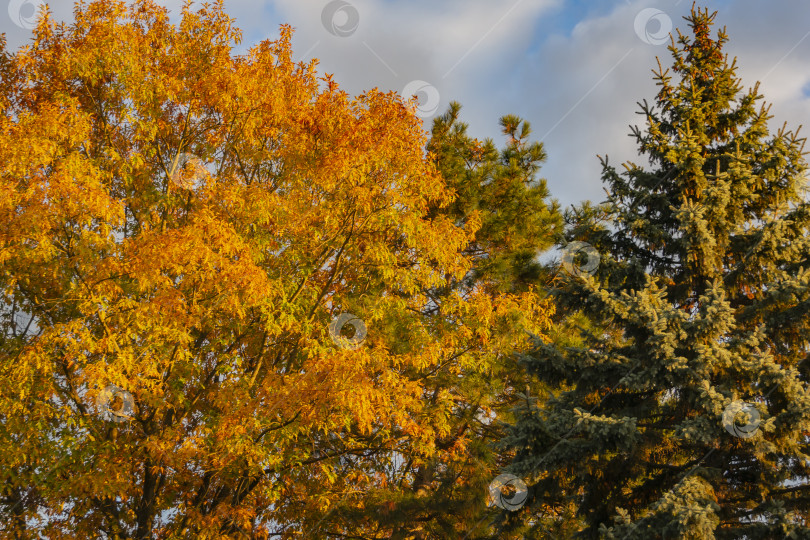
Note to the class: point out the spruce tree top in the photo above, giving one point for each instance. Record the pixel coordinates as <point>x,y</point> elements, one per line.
<point>718,177</point>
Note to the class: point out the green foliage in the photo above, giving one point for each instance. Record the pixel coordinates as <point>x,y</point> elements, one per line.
<point>497,190</point>
<point>701,299</point>
<point>501,186</point>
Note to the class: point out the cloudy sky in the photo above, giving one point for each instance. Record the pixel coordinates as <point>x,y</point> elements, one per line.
<point>573,68</point>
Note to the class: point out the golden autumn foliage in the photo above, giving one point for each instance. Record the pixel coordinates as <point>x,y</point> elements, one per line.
<point>178,227</point>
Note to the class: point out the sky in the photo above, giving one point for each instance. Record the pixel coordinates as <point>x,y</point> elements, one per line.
<point>574,69</point>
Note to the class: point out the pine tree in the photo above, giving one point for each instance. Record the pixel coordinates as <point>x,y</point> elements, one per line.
<point>683,410</point>
<point>497,192</point>
<point>502,188</point>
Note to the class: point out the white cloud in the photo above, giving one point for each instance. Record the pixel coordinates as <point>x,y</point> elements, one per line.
<point>567,68</point>
<point>448,44</point>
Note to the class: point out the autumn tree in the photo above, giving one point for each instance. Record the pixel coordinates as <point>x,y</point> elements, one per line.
<point>683,411</point>
<point>215,273</point>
